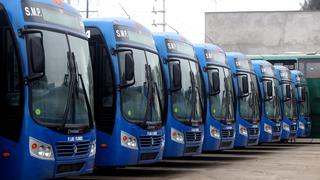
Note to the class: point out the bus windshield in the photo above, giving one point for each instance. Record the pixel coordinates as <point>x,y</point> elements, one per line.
<point>290,107</point>
<point>249,105</point>
<point>52,104</point>
<point>187,103</point>
<point>143,101</point>
<point>222,103</point>
<point>272,105</point>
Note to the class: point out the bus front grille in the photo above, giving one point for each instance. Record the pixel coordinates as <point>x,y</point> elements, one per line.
<point>193,136</point>
<point>227,133</point>
<point>253,131</point>
<point>276,128</point>
<point>72,148</point>
<point>293,127</point>
<point>150,141</point>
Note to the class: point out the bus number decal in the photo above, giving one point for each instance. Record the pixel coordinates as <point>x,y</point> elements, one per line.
<point>77,138</point>
<point>195,129</point>
<point>151,133</point>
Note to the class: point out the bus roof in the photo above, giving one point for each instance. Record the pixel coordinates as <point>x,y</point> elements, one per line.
<point>284,57</point>
<point>116,21</point>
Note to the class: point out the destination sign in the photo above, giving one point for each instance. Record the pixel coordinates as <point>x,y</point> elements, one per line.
<point>215,56</point>
<point>244,64</point>
<point>174,46</point>
<point>134,35</point>
<point>285,74</point>
<point>43,13</point>
<point>267,70</point>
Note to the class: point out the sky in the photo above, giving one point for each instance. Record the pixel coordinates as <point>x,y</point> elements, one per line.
<point>186,16</point>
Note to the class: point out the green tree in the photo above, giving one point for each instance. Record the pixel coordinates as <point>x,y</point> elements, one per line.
<point>310,5</point>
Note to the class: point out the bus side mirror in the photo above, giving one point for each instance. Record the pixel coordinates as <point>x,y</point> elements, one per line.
<point>37,57</point>
<point>243,86</point>
<point>129,67</point>
<point>302,94</point>
<point>176,72</point>
<point>269,90</point>
<point>215,83</point>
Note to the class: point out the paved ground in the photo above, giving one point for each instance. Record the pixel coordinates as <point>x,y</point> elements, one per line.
<point>269,161</point>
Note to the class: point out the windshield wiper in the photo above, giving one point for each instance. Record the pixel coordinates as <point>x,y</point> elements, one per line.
<point>73,93</point>
<point>72,85</point>
<point>192,97</point>
<point>254,99</point>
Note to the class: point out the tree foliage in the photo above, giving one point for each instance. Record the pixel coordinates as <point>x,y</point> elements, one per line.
<point>310,5</point>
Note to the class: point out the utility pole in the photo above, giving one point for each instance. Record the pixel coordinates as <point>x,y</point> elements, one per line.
<point>163,11</point>
<point>87,9</point>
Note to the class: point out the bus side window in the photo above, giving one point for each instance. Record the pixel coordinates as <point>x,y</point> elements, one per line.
<point>104,86</point>
<point>11,89</point>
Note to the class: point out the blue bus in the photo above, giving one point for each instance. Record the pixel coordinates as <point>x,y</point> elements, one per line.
<point>47,128</point>
<point>185,90</point>
<point>288,103</point>
<point>129,92</point>
<point>303,103</point>
<point>270,124</point>
<point>247,100</point>
<point>220,114</point>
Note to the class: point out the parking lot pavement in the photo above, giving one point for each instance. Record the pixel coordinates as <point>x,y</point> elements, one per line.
<point>268,161</point>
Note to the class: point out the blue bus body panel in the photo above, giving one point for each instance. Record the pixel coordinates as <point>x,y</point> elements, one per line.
<point>285,134</point>
<point>20,164</point>
<point>253,130</point>
<point>265,136</point>
<point>212,143</point>
<point>172,148</point>
<point>115,154</point>
<point>303,124</point>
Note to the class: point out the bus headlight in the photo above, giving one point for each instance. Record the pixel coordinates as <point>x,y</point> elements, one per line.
<point>286,127</point>
<point>177,136</point>
<point>243,130</point>
<point>163,141</point>
<point>267,128</point>
<point>129,141</point>
<point>93,149</point>
<point>40,150</point>
<point>301,125</point>
<point>214,132</point>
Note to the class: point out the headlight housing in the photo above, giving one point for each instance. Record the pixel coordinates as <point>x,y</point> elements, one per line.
<point>267,128</point>
<point>40,150</point>
<point>163,141</point>
<point>285,127</point>
<point>129,141</point>
<point>93,148</point>
<point>214,132</point>
<point>301,126</point>
<point>177,136</point>
<point>243,130</point>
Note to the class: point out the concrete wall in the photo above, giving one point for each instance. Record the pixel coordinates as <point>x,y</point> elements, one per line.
<point>264,32</point>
